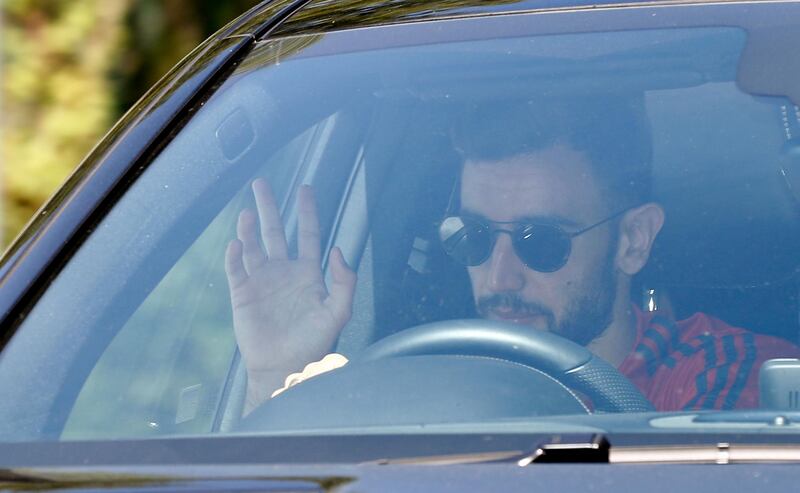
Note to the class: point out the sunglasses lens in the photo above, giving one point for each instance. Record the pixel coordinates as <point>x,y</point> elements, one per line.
<point>543,248</point>
<point>465,240</point>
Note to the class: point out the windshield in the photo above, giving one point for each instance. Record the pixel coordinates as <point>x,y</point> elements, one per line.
<point>554,222</point>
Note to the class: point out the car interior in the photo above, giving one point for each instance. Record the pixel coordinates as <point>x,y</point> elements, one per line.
<point>375,143</point>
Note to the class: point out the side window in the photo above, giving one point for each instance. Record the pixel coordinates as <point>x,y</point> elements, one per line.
<point>165,370</point>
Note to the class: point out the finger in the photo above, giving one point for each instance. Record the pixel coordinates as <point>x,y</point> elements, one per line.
<point>308,237</point>
<point>252,256</point>
<point>234,268</point>
<point>272,232</point>
<point>343,285</point>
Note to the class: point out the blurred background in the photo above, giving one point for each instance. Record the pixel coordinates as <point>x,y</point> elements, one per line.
<point>70,68</point>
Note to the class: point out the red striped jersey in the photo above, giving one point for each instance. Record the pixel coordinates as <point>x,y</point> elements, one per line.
<point>700,362</point>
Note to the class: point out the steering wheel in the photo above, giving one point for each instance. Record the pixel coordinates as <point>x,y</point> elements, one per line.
<point>571,364</point>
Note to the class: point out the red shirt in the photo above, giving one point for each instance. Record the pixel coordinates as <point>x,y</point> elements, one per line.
<point>700,362</point>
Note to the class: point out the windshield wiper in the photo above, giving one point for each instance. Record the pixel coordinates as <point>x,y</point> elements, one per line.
<point>592,448</point>
<point>721,453</point>
<point>597,449</point>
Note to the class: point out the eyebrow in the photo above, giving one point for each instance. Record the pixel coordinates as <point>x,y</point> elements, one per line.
<point>549,219</point>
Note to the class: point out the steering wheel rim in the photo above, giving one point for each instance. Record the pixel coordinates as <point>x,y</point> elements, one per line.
<point>568,362</point>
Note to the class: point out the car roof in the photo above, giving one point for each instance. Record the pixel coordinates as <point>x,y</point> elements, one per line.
<point>329,15</point>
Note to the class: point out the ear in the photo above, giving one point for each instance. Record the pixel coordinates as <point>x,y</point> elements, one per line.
<point>638,230</point>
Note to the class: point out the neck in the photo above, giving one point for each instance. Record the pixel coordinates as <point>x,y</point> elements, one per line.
<point>616,342</point>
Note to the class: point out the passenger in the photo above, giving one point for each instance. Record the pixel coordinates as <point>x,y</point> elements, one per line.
<point>565,192</point>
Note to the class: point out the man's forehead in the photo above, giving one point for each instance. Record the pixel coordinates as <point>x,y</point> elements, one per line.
<point>552,183</point>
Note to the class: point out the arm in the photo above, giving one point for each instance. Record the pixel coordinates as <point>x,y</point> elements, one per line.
<point>283,315</point>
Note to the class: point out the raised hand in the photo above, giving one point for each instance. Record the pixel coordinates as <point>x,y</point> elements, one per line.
<point>283,315</point>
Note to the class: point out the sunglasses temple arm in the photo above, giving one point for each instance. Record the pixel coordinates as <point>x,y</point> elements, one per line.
<point>600,223</point>
<point>453,200</point>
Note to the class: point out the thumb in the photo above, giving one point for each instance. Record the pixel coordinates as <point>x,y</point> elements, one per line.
<point>343,285</point>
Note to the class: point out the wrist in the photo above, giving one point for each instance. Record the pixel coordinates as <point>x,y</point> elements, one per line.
<point>261,384</point>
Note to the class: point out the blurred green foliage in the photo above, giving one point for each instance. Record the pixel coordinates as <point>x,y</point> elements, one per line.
<point>70,68</point>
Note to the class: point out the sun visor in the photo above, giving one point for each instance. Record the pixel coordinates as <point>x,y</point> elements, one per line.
<point>768,71</point>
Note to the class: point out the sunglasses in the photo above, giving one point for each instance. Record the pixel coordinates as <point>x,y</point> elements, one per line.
<point>470,240</point>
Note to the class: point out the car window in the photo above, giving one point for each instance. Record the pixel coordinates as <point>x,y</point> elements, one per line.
<point>165,369</point>
<point>624,195</point>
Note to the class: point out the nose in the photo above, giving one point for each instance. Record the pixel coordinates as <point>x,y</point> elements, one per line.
<point>506,270</point>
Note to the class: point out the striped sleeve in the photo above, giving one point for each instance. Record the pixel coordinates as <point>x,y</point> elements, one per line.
<point>721,369</point>
<point>700,362</point>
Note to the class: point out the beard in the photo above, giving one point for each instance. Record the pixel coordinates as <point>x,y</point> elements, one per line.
<point>588,313</point>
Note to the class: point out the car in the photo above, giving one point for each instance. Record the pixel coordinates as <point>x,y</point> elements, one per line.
<point>426,245</point>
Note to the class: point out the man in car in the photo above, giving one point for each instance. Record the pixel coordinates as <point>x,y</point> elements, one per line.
<point>553,220</point>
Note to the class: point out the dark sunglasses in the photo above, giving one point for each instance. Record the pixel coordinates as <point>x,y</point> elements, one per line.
<point>542,247</point>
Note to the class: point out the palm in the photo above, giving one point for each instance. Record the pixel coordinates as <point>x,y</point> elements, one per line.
<point>280,316</point>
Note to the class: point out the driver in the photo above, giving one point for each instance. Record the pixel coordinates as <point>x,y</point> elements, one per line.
<point>553,220</point>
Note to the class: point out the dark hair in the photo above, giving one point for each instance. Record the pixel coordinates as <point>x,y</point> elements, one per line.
<point>612,132</point>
